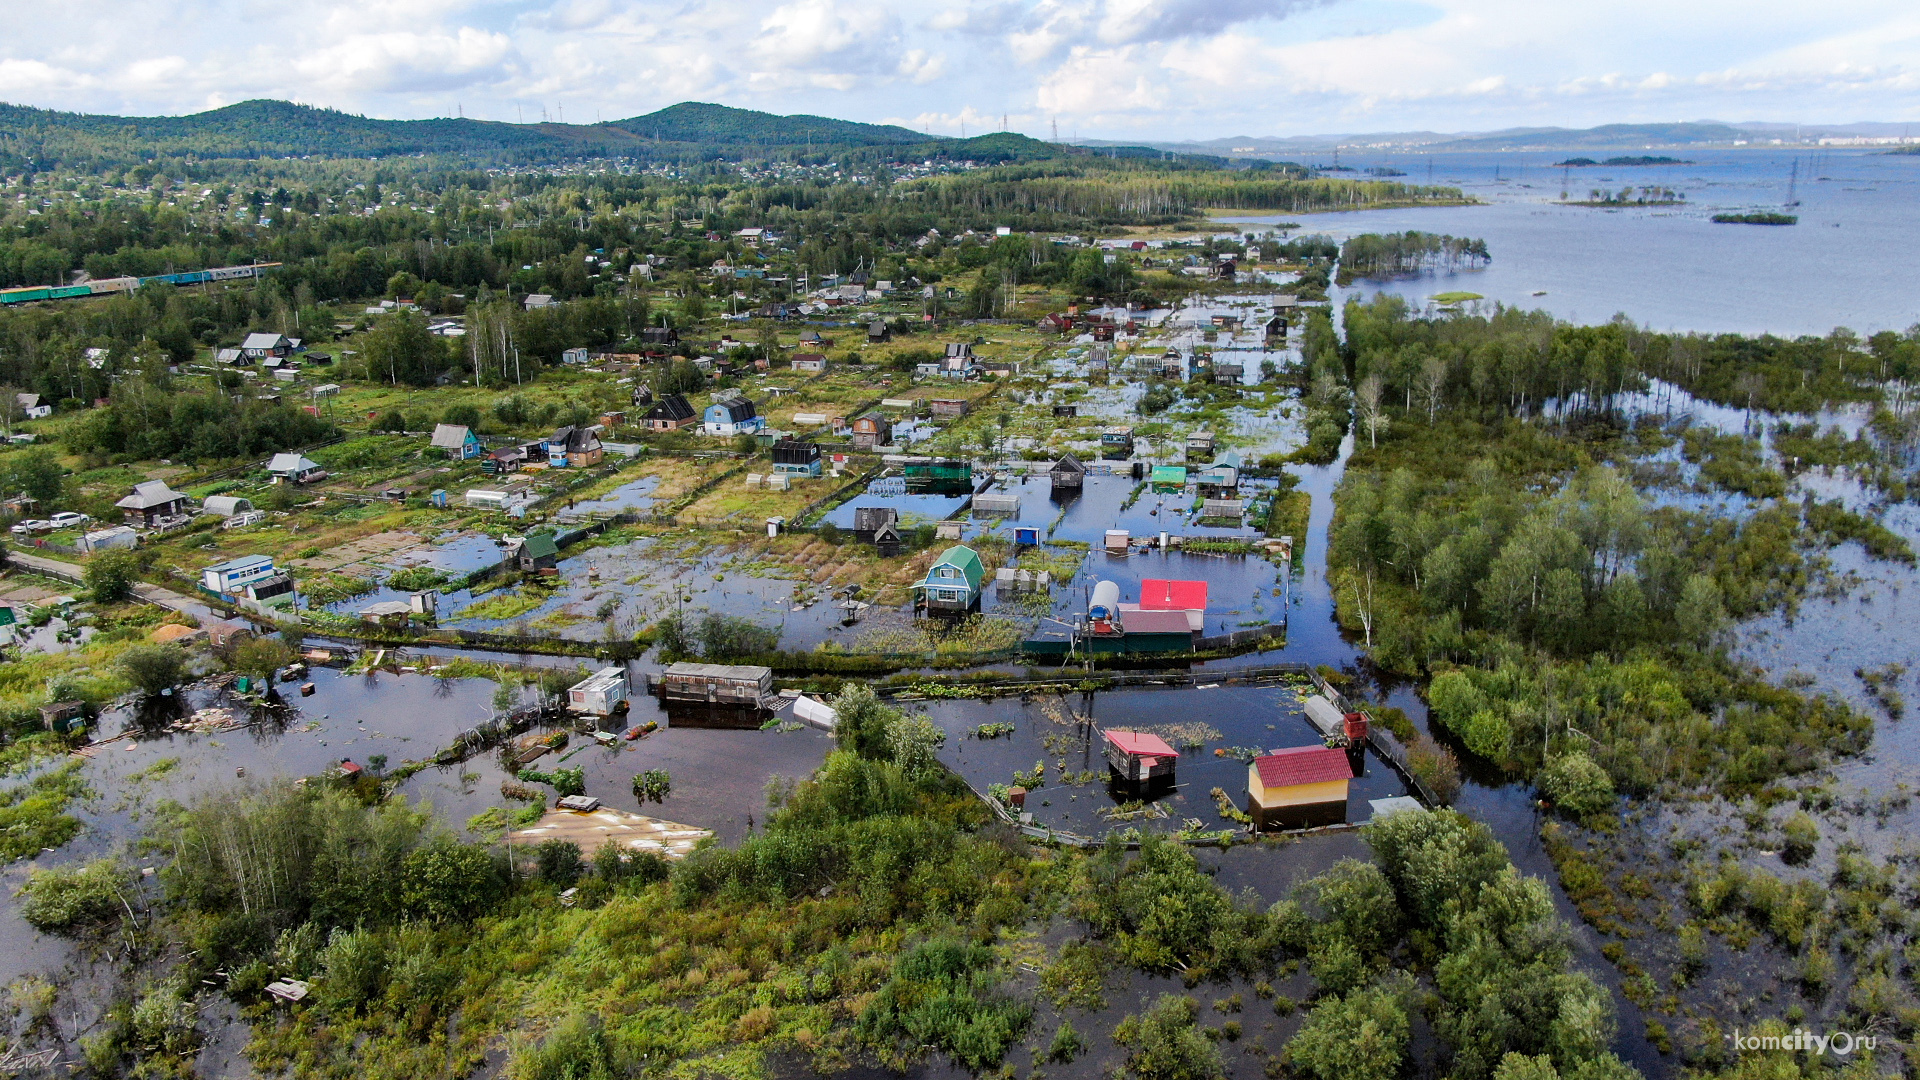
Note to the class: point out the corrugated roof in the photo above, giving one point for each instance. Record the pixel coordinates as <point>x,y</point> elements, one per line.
<point>1139,742</point>
<point>539,546</point>
<point>671,407</point>
<point>1159,594</point>
<point>1303,765</point>
<point>1156,622</point>
<point>450,436</point>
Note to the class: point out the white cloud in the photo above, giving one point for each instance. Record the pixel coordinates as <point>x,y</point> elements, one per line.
<point>1121,68</point>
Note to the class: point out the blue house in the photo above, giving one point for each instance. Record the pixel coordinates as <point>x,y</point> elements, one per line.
<point>953,581</point>
<point>231,577</point>
<point>735,416</point>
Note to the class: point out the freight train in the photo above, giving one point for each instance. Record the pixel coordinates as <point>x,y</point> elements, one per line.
<point>128,284</point>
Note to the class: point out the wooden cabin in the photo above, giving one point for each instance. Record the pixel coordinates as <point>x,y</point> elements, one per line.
<point>869,520</point>
<point>1116,442</point>
<point>1200,444</point>
<point>1137,758</point>
<point>871,430</point>
<point>1068,473</point>
<point>1299,788</point>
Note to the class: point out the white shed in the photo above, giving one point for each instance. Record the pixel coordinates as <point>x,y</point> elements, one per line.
<point>603,693</point>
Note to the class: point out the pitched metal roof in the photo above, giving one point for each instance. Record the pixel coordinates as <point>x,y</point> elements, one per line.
<point>450,436</point>
<point>1157,594</point>
<point>1140,743</point>
<point>671,407</point>
<point>1303,765</point>
<point>149,494</point>
<point>539,546</point>
<point>1148,621</point>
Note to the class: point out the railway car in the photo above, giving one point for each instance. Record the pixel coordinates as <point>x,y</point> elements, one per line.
<point>110,286</point>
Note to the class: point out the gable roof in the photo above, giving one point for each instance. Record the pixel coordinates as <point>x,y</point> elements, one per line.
<point>148,494</point>
<point>734,409</point>
<point>965,558</point>
<point>1068,464</point>
<point>539,546</point>
<point>291,463</point>
<point>1157,594</point>
<point>873,517</point>
<point>244,562</point>
<point>264,341</point>
<point>1303,765</point>
<point>1140,743</point>
<point>451,436</point>
<point>671,407</point>
<point>1149,621</point>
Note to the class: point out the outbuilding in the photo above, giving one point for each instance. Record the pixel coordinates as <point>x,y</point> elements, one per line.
<point>1298,788</point>
<point>603,693</point>
<point>719,684</point>
<point>226,506</point>
<point>1139,758</point>
<point>152,502</point>
<point>458,440</point>
<point>295,469</point>
<point>1068,474</point>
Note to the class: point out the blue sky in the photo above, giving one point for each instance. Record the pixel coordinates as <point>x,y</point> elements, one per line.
<point>1159,69</point>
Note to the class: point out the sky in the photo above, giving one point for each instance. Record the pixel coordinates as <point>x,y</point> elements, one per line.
<point>1091,69</point>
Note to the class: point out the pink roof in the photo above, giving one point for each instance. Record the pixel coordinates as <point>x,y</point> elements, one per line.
<point>1139,742</point>
<point>1303,765</point>
<point>1160,595</point>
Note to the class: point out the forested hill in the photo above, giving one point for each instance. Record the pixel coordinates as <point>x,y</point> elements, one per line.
<point>44,139</point>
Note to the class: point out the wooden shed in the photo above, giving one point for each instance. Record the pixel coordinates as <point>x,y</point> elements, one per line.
<point>1068,473</point>
<point>1135,757</point>
<point>1298,788</point>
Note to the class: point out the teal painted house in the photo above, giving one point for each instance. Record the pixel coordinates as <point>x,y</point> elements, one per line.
<point>953,581</point>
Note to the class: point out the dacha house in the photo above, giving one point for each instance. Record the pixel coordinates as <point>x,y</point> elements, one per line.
<point>458,440</point>
<point>734,416</point>
<point>670,413</point>
<point>1299,788</point>
<point>952,583</point>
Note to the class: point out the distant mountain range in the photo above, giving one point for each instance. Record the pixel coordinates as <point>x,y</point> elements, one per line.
<point>1698,133</point>
<point>688,132</point>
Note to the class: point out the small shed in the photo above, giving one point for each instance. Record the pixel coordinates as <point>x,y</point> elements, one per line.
<point>869,520</point>
<point>878,332</point>
<point>1200,444</point>
<point>948,406</point>
<point>809,362</point>
<point>1298,788</point>
<point>538,552</point>
<point>603,693</point>
<point>387,613</point>
<point>1117,541</point>
<point>1136,757</point>
<point>723,684</point>
<point>1117,442</point>
<point>61,715</point>
<point>1065,412</point>
<point>295,469</point>
<point>1067,473</point>
<point>886,540</point>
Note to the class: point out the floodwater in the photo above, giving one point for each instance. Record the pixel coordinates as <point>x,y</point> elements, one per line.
<point>1669,267</point>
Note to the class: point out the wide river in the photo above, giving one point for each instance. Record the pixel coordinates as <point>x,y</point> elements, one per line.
<point>1849,262</point>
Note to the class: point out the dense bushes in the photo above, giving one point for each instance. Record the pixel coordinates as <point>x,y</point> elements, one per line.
<point>143,421</point>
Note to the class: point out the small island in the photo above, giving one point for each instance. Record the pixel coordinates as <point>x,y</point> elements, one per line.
<point>1450,298</point>
<point>1757,217</point>
<point>1584,162</point>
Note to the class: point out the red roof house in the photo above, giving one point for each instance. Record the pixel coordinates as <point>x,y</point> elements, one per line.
<point>1137,757</point>
<point>1298,788</point>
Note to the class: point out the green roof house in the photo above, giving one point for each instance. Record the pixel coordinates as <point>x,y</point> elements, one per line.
<point>953,581</point>
<point>539,552</point>
<point>1169,476</point>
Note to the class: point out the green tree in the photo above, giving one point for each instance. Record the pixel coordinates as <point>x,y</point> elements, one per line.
<point>110,575</point>
<point>450,880</point>
<point>401,350</point>
<point>154,668</point>
<point>1577,785</point>
<point>1359,1036</point>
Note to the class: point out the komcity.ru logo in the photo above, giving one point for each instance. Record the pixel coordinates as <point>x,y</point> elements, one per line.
<point>1841,1043</point>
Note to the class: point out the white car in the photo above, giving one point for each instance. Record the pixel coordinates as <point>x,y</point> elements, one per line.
<point>32,525</point>
<point>68,519</point>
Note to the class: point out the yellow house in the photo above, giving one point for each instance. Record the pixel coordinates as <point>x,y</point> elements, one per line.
<point>1298,788</point>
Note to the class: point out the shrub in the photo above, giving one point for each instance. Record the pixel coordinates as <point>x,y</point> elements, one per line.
<point>575,1050</point>
<point>450,880</point>
<point>64,900</point>
<point>945,994</point>
<point>353,968</point>
<point>1577,785</point>
<point>558,862</point>
<point>1165,1043</point>
<point>1800,836</point>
